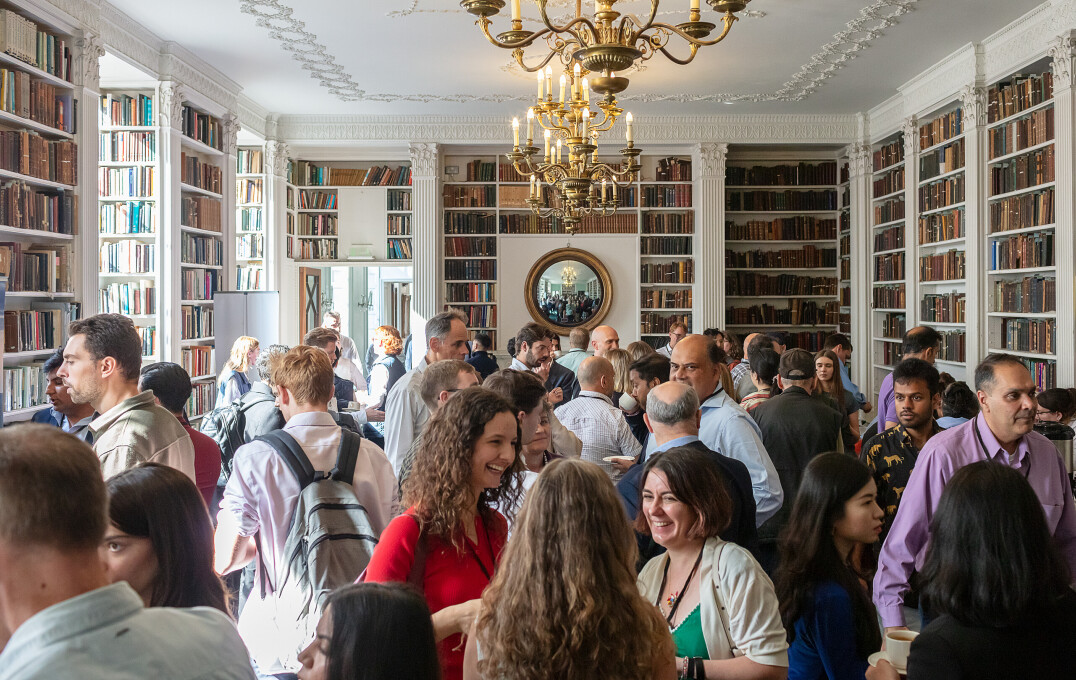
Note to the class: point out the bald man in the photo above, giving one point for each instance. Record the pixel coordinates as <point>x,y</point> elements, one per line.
<point>598,423</point>
<point>603,339</point>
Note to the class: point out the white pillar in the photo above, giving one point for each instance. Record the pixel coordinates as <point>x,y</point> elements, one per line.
<point>973,99</point>
<point>910,128</point>
<point>1062,53</point>
<point>230,136</point>
<point>87,77</point>
<point>860,246</point>
<point>170,98</point>
<point>425,248</point>
<point>708,299</point>
<point>276,212</point>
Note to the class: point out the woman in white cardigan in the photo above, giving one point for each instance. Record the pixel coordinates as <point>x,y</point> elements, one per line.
<point>719,604</point>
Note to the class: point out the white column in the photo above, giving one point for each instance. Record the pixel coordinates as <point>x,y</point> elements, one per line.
<point>84,258</point>
<point>708,299</point>
<point>170,98</point>
<point>276,211</point>
<point>425,248</point>
<point>910,128</point>
<point>973,99</point>
<point>230,135</point>
<point>1062,53</point>
<point>859,181</point>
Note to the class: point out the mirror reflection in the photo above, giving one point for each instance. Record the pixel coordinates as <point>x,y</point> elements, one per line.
<point>569,293</point>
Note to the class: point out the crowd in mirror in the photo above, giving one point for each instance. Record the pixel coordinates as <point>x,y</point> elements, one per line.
<point>708,509</point>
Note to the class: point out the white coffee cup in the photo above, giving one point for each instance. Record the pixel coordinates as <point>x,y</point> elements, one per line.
<point>628,403</point>
<point>897,645</point>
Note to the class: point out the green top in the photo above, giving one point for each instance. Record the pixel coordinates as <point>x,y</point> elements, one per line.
<point>688,636</point>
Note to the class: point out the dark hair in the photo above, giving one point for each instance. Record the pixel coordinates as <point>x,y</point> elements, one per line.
<point>510,347</point>
<point>809,556</point>
<point>917,369</point>
<point>716,353</point>
<point>54,361</point>
<point>959,401</point>
<point>381,631</point>
<point>991,561</point>
<point>112,335</point>
<point>652,366</point>
<point>697,481</point>
<point>522,389</point>
<point>945,380</point>
<point>484,340</point>
<point>1060,400</point>
<point>737,349</point>
<point>920,339</point>
<point>758,342</point>
<point>162,504</point>
<point>984,372</point>
<point>320,337</point>
<point>837,339</point>
<point>765,363</point>
<point>780,337</point>
<point>530,334</point>
<point>170,383</point>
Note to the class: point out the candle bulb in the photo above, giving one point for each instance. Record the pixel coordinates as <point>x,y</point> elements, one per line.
<point>541,86</point>
<point>516,13</point>
<point>630,133</point>
<point>586,123</point>
<point>603,190</point>
<point>563,81</point>
<point>549,82</point>
<point>694,5</point>
<point>575,82</point>
<point>614,189</point>
<point>515,131</point>
<point>558,151</point>
<point>586,91</point>
<point>530,126</point>
<point>547,146</point>
<point>534,187</point>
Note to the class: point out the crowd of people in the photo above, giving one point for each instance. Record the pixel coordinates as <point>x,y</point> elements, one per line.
<point>568,308</point>
<point>716,507</point>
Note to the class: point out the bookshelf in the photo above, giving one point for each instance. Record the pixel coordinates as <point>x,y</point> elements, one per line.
<point>38,192</point>
<point>291,216</point>
<point>251,220</point>
<point>844,237</point>
<point>667,246</point>
<point>890,248</point>
<point>1022,271</point>
<point>941,234</point>
<point>782,244</point>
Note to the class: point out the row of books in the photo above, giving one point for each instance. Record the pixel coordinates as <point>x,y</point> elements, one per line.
<point>201,250</point>
<point>807,256</point>
<point>798,313</point>
<point>201,127</point>
<point>128,297</point>
<point>27,41</point>
<point>1023,172</point>
<point>889,211</point>
<point>36,268</point>
<point>894,324</point>
<point>248,161</point>
<point>942,308</point>
<point>24,96</point>
<point>308,174</point>
<point>812,341</point>
<point>461,246</point>
<point>478,316</point>
<point>473,270</point>
<point>480,171</point>
<point>33,330</point>
<point>455,196</point>
<point>669,272</point>
<point>398,199</point>
<point>666,245</point>
<point>942,226</point>
<point>529,223</point>
<point>1029,295</point>
<point>249,278</point>
<point>1019,212</point>
<point>1028,335</point>
<point>506,172</point>
<point>805,174</point>
<point>676,196</point>
<point>1044,372</point>
<point>666,298</point>
<point>125,110</point>
<point>942,193</point>
<point>197,173</point>
<point>126,182</point>
<point>888,297</point>
<point>250,219</point>
<point>665,222</point>
<point>200,212</point>
<point>750,284</point>
<point>889,238</point>
<point>889,267</point>
<point>889,154</point>
<point>132,217</point>
<point>399,225</point>
<point>315,249</point>
<point>317,224</point>
<point>1023,251</point>
<point>202,400</point>
<point>471,292</point>
<point>398,248</point>
<point>148,336</point>
<point>891,354</point>
<point>886,184</point>
<point>251,246</point>
<point>317,200</point>
<point>673,170</point>
<point>846,272</point>
<point>940,161</point>
<point>196,321</point>
<point>845,221</point>
<point>947,266</point>
<point>781,200</point>
<point>653,322</point>
<point>25,207</point>
<point>248,190</point>
<point>942,128</point>
<point>799,228</point>
<point>127,257</point>
<point>1036,128</point>
<point>24,387</point>
<point>199,284</point>
<point>197,360</point>
<point>127,147</point>
<point>31,154</point>
<point>1013,96</point>
<point>470,223</point>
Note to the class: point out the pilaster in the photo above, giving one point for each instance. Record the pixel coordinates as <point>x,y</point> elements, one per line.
<point>87,77</point>
<point>230,136</point>
<point>170,95</point>
<point>973,100</point>
<point>708,299</point>
<point>910,128</point>
<point>425,208</point>
<point>276,188</point>
<point>860,167</point>
<point>1061,53</point>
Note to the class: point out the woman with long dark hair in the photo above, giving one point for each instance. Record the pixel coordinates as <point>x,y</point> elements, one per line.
<point>449,541</point>
<point>763,373</point>
<point>372,631</point>
<point>827,369</point>
<point>996,582</point>
<point>160,539</point>
<point>832,624</point>
<point>564,604</point>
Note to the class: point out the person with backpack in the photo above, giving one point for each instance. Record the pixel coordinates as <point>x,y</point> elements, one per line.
<point>314,498</point>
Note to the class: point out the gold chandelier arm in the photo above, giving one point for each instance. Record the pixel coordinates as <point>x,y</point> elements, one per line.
<point>642,27</point>
<point>485,24</point>
<point>728,19</point>
<point>518,54</point>
<point>675,59</point>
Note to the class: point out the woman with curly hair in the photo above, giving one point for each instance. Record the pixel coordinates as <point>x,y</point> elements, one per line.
<point>730,342</point>
<point>565,604</point>
<point>449,541</point>
<point>387,367</point>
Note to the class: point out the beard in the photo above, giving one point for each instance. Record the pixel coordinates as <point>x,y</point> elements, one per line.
<point>85,394</point>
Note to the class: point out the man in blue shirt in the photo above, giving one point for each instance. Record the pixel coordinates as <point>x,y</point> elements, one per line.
<point>842,347</point>
<point>64,413</point>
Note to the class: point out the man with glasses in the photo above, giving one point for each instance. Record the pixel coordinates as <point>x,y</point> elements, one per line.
<point>676,333</point>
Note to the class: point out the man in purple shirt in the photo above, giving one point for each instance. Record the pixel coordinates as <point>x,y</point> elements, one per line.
<point>1002,432</point>
<point>921,342</point>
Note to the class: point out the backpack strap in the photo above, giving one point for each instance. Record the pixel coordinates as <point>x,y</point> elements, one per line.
<point>293,455</point>
<point>347,457</point>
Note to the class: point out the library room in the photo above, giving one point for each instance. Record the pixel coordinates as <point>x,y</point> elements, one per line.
<point>756,318</point>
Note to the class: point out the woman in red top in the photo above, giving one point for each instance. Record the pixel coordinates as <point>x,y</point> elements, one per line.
<point>450,540</point>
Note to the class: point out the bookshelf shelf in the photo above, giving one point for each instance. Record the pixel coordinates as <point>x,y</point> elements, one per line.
<point>894,194</point>
<point>887,168</point>
<point>944,175</point>
<point>891,223</point>
<point>196,230</point>
<point>190,188</point>
<point>35,72</point>
<point>21,234</point>
<point>942,244</point>
<point>200,147</point>
<point>1021,152</point>
<point>34,181</point>
<point>1020,114</point>
<point>1018,192</point>
<point>1027,270</point>
<point>1023,315</point>
<point>944,208</point>
<point>942,143</point>
<point>11,118</point>
<point>1024,230</point>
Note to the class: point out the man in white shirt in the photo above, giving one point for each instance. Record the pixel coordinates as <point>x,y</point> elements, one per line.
<point>676,332</point>
<point>262,495</point>
<point>59,617</point>
<point>347,345</point>
<point>596,421</point>
<point>405,412</point>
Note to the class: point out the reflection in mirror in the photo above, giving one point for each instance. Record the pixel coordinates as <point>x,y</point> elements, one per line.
<point>569,293</point>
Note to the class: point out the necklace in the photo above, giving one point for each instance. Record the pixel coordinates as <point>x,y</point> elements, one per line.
<point>675,598</point>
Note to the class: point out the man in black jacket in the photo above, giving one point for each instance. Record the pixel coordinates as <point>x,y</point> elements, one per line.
<point>260,412</point>
<point>796,427</point>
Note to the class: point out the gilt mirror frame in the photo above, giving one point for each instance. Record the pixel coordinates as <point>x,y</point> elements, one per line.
<point>530,291</point>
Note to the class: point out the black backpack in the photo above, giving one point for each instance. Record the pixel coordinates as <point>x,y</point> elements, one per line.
<point>226,425</point>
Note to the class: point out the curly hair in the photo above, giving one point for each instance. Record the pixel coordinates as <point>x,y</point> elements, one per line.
<point>388,338</point>
<point>590,620</point>
<point>439,484</point>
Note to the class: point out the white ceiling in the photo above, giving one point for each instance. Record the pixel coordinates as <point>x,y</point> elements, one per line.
<point>428,57</point>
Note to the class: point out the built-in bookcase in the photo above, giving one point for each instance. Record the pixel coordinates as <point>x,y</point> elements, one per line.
<point>782,245</point>
<point>844,235</point>
<point>251,220</point>
<point>890,246</point>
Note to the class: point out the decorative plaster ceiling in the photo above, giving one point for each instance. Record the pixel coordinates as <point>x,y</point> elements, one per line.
<point>423,57</point>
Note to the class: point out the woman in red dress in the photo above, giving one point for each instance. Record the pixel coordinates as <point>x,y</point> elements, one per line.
<point>449,541</point>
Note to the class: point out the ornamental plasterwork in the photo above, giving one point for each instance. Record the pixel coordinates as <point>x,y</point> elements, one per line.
<point>1061,53</point>
<point>276,158</point>
<point>857,35</point>
<point>177,67</point>
<point>170,95</point>
<point>712,159</point>
<point>230,132</point>
<point>424,160</point>
<point>973,99</point>
<point>910,128</point>
<point>860,160</point>
<point>937,84</point>
<point>88,64</point>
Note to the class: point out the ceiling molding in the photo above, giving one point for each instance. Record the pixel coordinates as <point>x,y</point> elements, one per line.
<point>122,35</point>
<point>1026,39</point>
<point>942,82</point>
<point>252,116</point>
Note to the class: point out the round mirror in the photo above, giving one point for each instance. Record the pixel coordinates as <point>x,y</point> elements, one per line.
<point>568,288</point>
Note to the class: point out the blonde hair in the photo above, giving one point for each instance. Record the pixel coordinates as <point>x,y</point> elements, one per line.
<point>306,372</point>
<point>588,622</point>
<point>621,361</point>
<point>238,359</point>
<point>388,338</point>
<point>640,349</point>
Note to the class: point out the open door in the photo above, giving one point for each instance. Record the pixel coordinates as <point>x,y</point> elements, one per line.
<point>309,301</point>
<point>397,302</point>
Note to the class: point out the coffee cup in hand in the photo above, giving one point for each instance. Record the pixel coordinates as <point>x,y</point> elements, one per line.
<point>897,645</point>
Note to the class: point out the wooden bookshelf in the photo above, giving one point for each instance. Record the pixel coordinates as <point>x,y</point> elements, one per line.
<point>251,219</point>
<point>667,245</point>
<point>844,239</point>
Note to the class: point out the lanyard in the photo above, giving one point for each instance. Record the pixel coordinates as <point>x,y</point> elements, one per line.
<point>474,553</point>
<point>679,595</point>
<point>978,436</point>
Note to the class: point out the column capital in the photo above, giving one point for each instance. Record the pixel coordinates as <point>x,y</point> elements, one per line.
<point>88,64</point>
<point>1061,54</point>
<point>230,129</point>
<point>860,159</point>
<point>170,96</point>
<point>425,159</point>
<point>910,127</point>
<point>973,100</point>
<point>712,157</point>
<point>276,158</point>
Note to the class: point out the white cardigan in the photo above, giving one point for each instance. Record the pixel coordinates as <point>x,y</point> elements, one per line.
<point>739,609</point>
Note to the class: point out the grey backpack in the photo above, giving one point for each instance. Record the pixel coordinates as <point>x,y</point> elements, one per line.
<point>330,540</point>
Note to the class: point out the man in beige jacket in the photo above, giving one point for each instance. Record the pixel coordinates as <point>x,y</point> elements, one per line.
<point>102,360</point>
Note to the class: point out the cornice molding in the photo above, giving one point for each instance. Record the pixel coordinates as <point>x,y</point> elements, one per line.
<point>1021,41</point>
<point>176,63</point>
<point>941,82</point>
<point>123,35</point>
<point>252,116</point>
<point>170,96</point>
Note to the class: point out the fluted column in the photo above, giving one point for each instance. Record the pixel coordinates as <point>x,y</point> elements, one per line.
<point>87,77</point>
<point>425,248</point>
<point>170,96</point>
<point>708,300</point>
<point>276,213</point>
<point>910,128</point>
<point>1062,53</point>
<point>859,183</point>
<point>227,224</point>
<point>973,100</point>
